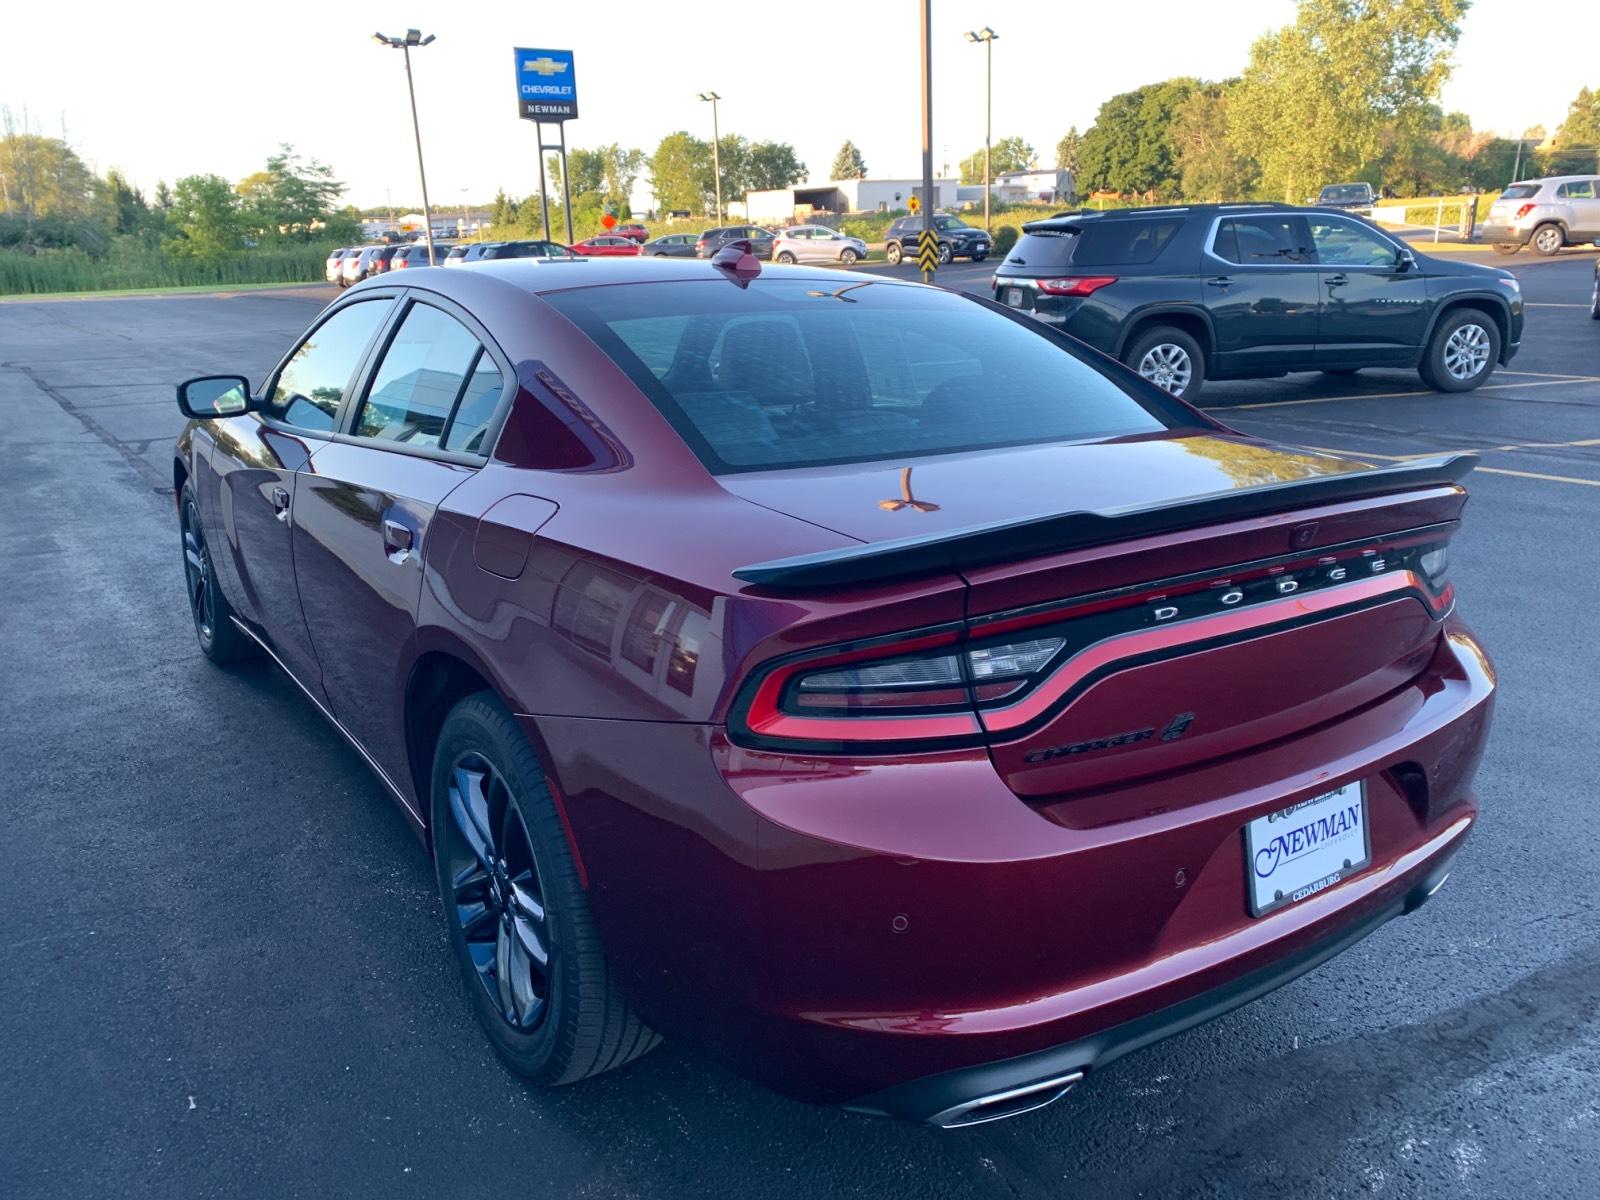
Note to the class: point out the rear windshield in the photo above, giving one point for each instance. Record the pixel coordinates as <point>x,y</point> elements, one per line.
<point>1520,191</point>
<point>1345,192</point>
<point>788,373</point>
<point>1096,244</point>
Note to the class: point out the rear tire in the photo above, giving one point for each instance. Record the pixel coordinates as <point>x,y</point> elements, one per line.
<point>506,875</point>
<point>1462,352</point>
<point>1506,247</point>
<point>893,253</point>
<point>1169,358</point>
<point>220,639</point>
<point>786,257</point>
<point>1548,240</point>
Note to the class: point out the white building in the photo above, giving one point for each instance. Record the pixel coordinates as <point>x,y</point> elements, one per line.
<point>835,196</point>
<point>1049,186</point>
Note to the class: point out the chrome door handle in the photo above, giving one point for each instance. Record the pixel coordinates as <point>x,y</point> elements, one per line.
<point>1221,281</point>
<point>1336,280</point>
<point>397,541</point>
<point>280,503</point>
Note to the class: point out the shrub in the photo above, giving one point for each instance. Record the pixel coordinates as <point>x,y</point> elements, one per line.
<point>1005,237</point>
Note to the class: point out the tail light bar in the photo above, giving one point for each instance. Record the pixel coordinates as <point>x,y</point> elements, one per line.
<point>1001,674</point>
<point>1077,285</point>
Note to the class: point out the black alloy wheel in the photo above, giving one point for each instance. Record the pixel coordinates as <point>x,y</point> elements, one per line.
<point>220,640</point>
<point>517,911</point>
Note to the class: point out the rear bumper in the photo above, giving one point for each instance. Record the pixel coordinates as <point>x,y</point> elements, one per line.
<point>1505,235</point>
<point>990,1091</point>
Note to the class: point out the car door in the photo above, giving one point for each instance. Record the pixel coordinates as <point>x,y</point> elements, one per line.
<point>824,245</point>
<point>1263,293</point>
<point>257,463</point>
<point>1374,302</point>
<point>1582,196</point>
<point>419,427</point>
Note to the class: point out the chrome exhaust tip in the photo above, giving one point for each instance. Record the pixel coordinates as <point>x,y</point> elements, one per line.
<point>1012,1102</point>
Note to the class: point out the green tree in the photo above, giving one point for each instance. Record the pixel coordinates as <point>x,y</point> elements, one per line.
<point>42,177</point>
<point>206,212</point>
<point>774,165</point>
<point>619,170</point>
<point>680,172</point>
<point>1576,145</point>
<point>1320,97</point>
<point>289,199</point>
<point>586,171</point>
<point>1210,166</point>
<point>163,199</point>
<point>1129,147</point>
<point>505,210</point>
<point>848,163</point>
<point>126,211</point>
<point>1008,154</point>
<point>1068,149</point>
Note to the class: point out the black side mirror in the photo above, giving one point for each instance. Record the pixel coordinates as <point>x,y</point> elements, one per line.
<point>213,396</point>
<point>1404,260</point>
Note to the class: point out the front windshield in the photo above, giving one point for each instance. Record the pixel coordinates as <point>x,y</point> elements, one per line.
<point>1345,191</point>
<point>796,373</point>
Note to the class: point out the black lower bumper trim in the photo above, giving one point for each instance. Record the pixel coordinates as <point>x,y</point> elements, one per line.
<point>921,1099</point>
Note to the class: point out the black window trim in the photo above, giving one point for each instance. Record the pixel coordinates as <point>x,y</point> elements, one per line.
<point>1303,215</point>
<point>356,395</point>
<point>271,381</point>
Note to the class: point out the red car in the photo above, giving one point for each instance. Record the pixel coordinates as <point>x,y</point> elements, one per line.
<point>848,677</point>
<point>606,244</point>
<point>634,230</point>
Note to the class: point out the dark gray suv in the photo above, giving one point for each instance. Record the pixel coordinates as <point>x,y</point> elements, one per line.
<point>957,239</point>
<point>1245,291</point>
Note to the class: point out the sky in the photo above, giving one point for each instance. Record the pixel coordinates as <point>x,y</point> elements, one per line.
<point>167,89</point>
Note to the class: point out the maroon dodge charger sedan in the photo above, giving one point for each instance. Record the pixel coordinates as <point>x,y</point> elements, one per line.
<point>881,691</point>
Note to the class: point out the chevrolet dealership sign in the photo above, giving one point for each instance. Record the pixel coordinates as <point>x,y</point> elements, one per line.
<point>546,90</point>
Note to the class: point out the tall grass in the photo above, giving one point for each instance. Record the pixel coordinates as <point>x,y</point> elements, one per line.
<point>75,271</point>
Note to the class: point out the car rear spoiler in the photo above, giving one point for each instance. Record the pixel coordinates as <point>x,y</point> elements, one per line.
<point>1050,533</point>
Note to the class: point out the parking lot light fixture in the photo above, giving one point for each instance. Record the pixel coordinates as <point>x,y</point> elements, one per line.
<point>987,37</point>
<point>716,150</point>
<point>413,37</point>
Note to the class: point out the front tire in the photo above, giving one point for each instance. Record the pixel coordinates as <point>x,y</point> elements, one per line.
<point>518,917</point>
<point>945,253</point>
<point>1548,240</point>
<point>977,258</point>
<point>220,639</point>
<point>1462,352</point>
<point>1169,358</point>
<point>893,253</point>
<point>848,257</point>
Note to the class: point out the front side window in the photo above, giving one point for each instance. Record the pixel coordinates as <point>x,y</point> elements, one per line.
<point>307,392</point>
<point>1348,244</point>
<point>423,378</point>
<point>789,374</point>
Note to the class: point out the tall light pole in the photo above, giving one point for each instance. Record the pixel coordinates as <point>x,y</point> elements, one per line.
<point>716,150</point>
<point>412,38</point>
<point>987,37</point>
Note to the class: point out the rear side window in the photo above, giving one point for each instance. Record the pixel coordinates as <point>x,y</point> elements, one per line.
<point>1520,191</point>
<point>1124,243</point>
<point>1580,189</point>
<point>307,392</point>
<point>426,375</point>
<point>1259,241</point>
<point>787,374</point>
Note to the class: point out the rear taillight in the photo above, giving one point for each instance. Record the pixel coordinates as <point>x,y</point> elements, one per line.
<point>1524,211</point>
<point>1006,672</point>
<point>1081,285</point>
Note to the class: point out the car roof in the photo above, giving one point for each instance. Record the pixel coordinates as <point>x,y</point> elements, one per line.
<point>1553,179</point>
<point>541,275</point>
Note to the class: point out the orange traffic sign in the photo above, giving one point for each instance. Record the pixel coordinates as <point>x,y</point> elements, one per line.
<point>915,204</point>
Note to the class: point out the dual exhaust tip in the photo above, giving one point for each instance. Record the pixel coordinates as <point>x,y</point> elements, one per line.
<point>1012,1102</point>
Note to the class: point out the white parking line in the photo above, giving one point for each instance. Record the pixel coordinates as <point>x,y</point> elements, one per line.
<point>1488,387</point>
<point>1481,470</point>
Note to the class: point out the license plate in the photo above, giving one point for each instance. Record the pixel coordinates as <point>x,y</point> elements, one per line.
<point>1306,848</point>
<point>1014,297</point>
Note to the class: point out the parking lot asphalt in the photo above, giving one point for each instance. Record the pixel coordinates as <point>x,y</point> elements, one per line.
<point>223,971</point>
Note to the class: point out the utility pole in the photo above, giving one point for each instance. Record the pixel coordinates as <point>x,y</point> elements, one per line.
<point>716,150</point>
<point>927,127</point>
<point>412,38</point>
<point>1516,167</point>
<point>987,37</point>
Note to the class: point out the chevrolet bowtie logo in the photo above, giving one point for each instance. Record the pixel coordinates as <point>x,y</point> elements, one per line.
<point>546,66</point>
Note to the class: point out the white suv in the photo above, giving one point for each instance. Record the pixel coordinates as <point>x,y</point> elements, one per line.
<point>1546,213</point>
